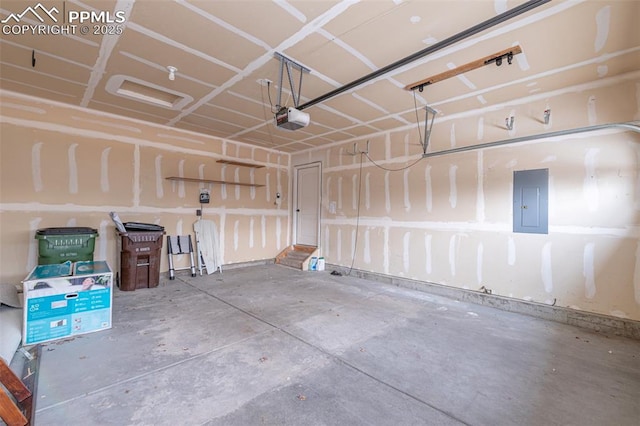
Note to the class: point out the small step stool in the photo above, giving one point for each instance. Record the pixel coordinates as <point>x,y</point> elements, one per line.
<point>180,244</point>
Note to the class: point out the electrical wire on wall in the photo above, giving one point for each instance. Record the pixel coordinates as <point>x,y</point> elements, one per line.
<point>366,153</point>
<point>415,104</point>
<point>355,242</point>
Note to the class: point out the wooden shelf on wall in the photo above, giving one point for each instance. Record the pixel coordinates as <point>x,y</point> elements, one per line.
<point>240,163</point>
<point>221,182</point>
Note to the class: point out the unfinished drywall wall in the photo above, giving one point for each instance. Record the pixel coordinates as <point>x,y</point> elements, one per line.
<point>448,219</point>
<point>65,166</point>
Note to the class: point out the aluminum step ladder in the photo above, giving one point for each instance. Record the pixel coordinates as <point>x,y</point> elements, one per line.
<point>176,245</point>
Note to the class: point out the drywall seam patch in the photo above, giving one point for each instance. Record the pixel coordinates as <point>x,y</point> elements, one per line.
<point>339,244</point>
<point>453,191</point>
<point>267,182</point>
<point>263,230</point>
<point>427,247</point>
<point>108,124</point>
<point>452,255</point>
<point>252,179</point>
<point>406,240</point>
<point>480,133</point>
<point>385,251</point>
<point>387,193</point>
<point>36,166</point>
<point>291,10</point>
<point>19,107</point>
<point>588,271</point>
<point>462,77</point>
<point>73,169</point>
<point>104,170</point>
<point>223,187</point>
<point>179,138</point>
<point>159,180</point>
<point>387,146</point>
<point>407,201</point>
<point>603,18</point>
<point>406,145</point>
<point>236,178</point>
<point>340,193</point>
<point>452,135</point>
<point>602,70</point>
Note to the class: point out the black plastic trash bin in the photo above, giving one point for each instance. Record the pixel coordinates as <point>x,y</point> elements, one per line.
<point>58,245</point>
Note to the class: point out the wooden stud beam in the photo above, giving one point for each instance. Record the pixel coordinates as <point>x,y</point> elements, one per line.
<point>464,68</point>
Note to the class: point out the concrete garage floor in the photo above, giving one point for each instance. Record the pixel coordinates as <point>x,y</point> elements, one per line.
<point>268,345</point>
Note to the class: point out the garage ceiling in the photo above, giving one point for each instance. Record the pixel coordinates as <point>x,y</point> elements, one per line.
<point>225,50</point>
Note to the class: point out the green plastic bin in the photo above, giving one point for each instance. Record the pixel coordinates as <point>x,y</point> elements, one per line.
<point>58,245</point>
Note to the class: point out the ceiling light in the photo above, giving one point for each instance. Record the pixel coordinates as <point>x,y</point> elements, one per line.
<point>144,91</point>
<point>172,72</point>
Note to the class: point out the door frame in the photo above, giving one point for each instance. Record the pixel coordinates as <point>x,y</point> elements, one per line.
<point>294,204</point>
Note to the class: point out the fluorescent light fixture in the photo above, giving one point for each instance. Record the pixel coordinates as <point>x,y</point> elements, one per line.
<point>143,91</point>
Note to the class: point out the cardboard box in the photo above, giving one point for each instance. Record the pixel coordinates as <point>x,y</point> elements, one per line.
<point>66,299</point>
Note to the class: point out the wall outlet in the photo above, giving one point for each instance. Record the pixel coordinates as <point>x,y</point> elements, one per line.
<point>198,212</point>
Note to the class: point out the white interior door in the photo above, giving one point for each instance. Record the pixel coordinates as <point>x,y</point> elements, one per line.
<point>307,208</point>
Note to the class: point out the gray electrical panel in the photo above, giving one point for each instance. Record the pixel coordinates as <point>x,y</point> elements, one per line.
<point>531,201</point>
